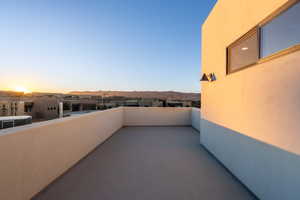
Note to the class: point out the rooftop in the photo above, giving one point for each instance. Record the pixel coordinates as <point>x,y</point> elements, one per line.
<point>147,163</point>
<point>121,153</point>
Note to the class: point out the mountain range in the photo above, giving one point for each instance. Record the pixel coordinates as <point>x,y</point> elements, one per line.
<point>143,94</point>
<point>170,95</point>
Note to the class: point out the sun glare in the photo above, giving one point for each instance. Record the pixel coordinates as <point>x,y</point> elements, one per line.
<point>22,89</point>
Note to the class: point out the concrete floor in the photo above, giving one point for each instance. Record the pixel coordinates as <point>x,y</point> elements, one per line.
<point>147,163</point>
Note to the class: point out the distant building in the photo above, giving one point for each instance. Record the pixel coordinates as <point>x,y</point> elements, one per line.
<point>45,107</point>
<point>150,103</point>
<point>12,121</point>
<point>48,106</point>
<point>39,108</point>
<point>28,106</point>
<point>132,102</point>
<point>11,108</point>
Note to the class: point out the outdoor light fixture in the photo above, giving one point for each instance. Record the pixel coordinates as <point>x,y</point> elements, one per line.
<point>210,77</point>
<point>204,77</point>
<point>245,48</point>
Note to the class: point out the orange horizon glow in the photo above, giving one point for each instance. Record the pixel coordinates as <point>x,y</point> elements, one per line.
<point>29,88</point>
<point>22,89</point>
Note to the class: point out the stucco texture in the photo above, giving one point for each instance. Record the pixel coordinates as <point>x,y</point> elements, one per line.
<point>261,101</point>
<point>250,118</point>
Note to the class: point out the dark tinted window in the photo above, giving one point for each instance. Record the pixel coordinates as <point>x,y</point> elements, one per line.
<point>243,52</point>
<point>281,32</point>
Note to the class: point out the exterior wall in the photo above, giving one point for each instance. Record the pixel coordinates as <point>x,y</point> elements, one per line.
<point>250,119</point>
<point>20,109</point>
<point>34,155</point>
<point>11,108</point>
<point>268,171</point>
<point>5,108</point>
<point>157,116</point>
<point>61,109</point>
<point>45,108</point>
<point>195,118</point>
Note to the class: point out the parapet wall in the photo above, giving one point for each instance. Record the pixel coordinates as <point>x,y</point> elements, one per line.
<point>32,156</point>
<point>157,116</point>
<point>196,118</point>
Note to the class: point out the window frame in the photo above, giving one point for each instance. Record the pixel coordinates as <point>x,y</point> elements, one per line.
<point>253,31</point>
<point>257,28</point>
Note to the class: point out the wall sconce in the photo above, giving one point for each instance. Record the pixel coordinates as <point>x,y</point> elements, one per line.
<point>210,77</point>
<point>204,77</point>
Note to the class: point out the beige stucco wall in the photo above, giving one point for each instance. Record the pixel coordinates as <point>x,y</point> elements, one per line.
<point>157,116</point>
<point>261,101</point>
<point>34,155</point>
<point>195,118</point>
<point>250,118</point>
<point>21,107</point>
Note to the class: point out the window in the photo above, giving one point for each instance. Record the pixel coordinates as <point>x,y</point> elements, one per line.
<point>243,52</point>
<point>282,32</point>
<point>278,36</point>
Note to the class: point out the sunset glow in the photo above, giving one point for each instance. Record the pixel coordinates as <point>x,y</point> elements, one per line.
<point>100,45</point>
<point>22,89</point>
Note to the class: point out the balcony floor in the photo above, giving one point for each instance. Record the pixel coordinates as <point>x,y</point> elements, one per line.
<point>147,163</point>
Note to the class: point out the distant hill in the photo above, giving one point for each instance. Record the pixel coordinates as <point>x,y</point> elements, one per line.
<point>143,94</point>
<point>171,95</point>
<point>10,93</point>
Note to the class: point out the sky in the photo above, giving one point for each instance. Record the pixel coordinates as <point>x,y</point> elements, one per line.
<point>67,45</point>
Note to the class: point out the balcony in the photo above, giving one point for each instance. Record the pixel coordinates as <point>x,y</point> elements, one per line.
<point>123,153</point>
